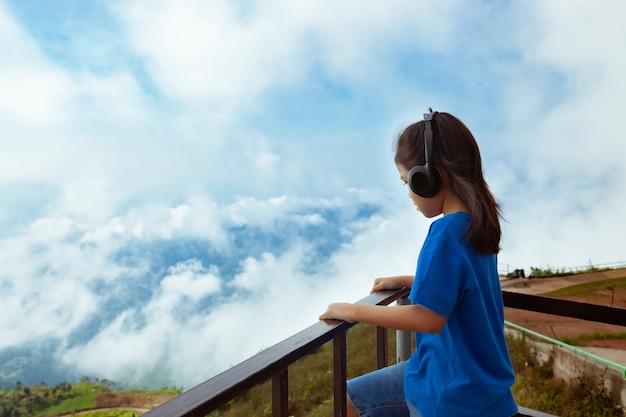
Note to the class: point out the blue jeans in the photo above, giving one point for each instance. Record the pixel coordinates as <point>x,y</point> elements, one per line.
<point>381,393</point>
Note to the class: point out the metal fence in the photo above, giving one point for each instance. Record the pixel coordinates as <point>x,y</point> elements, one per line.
<point>272,363</point>
<point>506,269</point>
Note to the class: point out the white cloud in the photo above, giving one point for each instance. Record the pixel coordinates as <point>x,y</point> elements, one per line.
<point>31,90</point>
<point>261,292</point>
<point>226,54</point>
<point>116,351</point>
<point>191,280</point>
<point>262,158</point>
<point>198,51</point>
<point>254,276</point>
<point>39,302</point>
<point>580,36</point>
<point>563,175</point>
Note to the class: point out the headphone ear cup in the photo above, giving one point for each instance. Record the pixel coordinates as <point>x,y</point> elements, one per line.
<point>424,180</point>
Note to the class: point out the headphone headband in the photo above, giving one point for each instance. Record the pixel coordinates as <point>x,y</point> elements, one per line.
<point>428,137</point>
<point>424,179</point>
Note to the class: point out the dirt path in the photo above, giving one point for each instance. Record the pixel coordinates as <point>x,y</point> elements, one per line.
<point>556,327</point>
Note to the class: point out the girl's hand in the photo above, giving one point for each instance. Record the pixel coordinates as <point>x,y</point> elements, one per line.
<point>339,311</point>
<point>392,283</point>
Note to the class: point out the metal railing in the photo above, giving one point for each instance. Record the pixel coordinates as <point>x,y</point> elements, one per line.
<point>272,363</point>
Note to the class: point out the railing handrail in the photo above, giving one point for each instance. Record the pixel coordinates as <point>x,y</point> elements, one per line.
<point>575,309</point>
<point>217,391</point>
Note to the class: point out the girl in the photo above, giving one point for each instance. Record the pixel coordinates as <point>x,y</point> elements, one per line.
<point>461,366</point>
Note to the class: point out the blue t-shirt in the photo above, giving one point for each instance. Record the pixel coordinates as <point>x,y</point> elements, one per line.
<point>465,370</point>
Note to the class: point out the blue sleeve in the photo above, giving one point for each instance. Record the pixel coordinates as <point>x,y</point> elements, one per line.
<point>438,283</point>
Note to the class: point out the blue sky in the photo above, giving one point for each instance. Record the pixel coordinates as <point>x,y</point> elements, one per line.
<point>175,168</point>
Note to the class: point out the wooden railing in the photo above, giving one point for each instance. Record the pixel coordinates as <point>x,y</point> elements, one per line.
<point>273,362</point>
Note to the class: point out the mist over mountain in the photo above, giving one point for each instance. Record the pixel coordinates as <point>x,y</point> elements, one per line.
<point>162,292</point>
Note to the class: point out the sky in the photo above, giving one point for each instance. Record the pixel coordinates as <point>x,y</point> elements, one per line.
<point>184,183</point>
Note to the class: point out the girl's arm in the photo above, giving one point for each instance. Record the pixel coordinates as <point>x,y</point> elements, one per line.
<point>408,317</point>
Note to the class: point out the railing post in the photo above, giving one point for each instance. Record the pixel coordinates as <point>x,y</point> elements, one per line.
<point>280,393</point>
<point>340,374</point>
<point>403,338</point>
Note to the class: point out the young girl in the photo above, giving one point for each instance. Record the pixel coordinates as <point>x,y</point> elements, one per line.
<point>461,366</point>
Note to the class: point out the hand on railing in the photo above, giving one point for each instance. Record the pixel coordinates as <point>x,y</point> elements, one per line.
<point>346,311</point>
<point>392,283</point>
<point>339,311</point>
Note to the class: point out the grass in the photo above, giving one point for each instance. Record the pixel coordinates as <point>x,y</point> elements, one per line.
<point>588,287</point>
<point>83,401</point>
<point>536,388</point>
<point>549,272</point>
<point>589,337</point>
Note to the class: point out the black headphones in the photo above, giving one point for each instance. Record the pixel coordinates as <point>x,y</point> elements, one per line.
<point>424,179</point>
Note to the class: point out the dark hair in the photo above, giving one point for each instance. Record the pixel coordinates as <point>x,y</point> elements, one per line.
<point>455,151</point>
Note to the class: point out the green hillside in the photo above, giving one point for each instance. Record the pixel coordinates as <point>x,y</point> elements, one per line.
<point>65,399</point>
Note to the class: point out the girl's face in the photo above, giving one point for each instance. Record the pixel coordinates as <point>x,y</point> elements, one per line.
<point>429,207</point>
